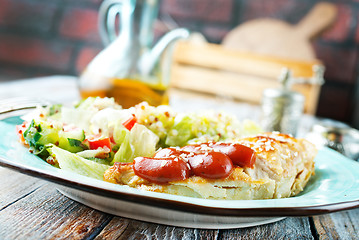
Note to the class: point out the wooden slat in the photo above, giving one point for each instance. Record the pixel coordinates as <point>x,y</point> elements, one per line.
<point>15,186</point>
<point>216,57</point>
<point>120,228</point>
<point>210,68</point>
<point>46,214</point>
<point>311,93</point>
<point>340,225</point>
<point>243,87</point>
<point>289,228</point>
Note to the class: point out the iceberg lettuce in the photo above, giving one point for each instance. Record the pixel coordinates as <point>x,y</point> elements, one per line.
<point>181,132</point>
<point>72,162</point>
<point>140,141</point>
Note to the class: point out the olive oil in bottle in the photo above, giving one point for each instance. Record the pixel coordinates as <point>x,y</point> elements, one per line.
<point>128,92</point>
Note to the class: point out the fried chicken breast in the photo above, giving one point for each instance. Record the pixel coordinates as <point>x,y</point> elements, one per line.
<point>282,168</point>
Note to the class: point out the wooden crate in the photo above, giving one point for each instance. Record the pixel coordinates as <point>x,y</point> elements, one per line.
<point>210,68</point>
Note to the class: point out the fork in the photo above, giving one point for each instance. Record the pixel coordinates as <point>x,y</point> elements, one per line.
<point>20,103</point>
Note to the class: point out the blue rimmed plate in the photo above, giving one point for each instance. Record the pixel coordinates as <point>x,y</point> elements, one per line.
<point>334,187</point>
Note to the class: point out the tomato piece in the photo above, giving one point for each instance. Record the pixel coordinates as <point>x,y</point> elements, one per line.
<point>210,164</point>
<point>129,123</point>
<point>99,143</point>
<point>161,170</point>
<point>112,139</point>
<point>240,155</point>
<point>20,129</point>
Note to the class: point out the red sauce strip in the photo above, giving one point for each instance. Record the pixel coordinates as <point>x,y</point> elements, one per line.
<point>208,160</point>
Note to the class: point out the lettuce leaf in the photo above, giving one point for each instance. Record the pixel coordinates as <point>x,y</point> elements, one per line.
<point>72,162</point>
<point>140,141</point>
<point>181,132</point>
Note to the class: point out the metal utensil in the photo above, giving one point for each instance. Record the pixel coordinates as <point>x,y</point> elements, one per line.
<point>18,105</point>
<point>337,136</point>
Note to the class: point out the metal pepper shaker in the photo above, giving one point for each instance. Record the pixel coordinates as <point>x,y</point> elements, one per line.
<point>282,108</point>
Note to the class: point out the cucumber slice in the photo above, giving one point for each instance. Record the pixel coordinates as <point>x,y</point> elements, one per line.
<point>72,140</point>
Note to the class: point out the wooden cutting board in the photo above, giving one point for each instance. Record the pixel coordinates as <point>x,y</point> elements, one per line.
<point>277,38</point>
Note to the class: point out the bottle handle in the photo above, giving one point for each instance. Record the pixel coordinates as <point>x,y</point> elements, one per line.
<point>109,11</point>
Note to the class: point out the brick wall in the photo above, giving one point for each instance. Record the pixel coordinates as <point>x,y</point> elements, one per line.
<point>41,37</point>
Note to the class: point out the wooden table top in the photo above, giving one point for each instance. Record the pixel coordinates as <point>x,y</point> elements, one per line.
<point>31,208</point>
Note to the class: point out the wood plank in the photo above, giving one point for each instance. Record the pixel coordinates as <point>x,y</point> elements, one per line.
<point>289,228</point>
<point>243,87</point>
<point>217,57</point>
<point>213,69</point>
<point>240,86</point>
<point>47,214</point>
<point>122,228</point>
<point>340,225</point>
<point>14,186</point>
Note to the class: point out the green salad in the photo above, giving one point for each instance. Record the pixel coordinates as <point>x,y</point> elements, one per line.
<point>92,135</point>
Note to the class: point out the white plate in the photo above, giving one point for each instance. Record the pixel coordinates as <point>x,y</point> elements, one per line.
<point>334,187</point>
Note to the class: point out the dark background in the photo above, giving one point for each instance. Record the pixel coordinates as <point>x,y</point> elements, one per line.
<point>46,37</point>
